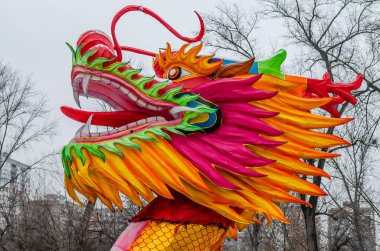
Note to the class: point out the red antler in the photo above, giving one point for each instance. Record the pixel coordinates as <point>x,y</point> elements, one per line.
<point>322,88</point>
<point>130,8</point>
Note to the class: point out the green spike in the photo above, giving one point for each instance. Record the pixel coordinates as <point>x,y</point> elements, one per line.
<point>127,73</point>
<point>78,56</point>
<point>136,145</point>
<point>99,62</point>
<point>66,168</point>
<point>174,130</point>
<point>79,154</point>
<point>205,109</point>
<point>111,147</point>
<point>71,49</point>
<point>94,150</point>
<point>272,66</point>
<point>66,152</point>
<point>185,99</point>
<point>157,87</point>
<point>158,131</point>
<point>191,115</point>
<point>115,66</point>
<point>130,72</point>
<point>170,93</point>
<point>128,143</point>
<point>149,132</point>
<point>141,82</point>
<point>187,127</point>
<point>142,136</point>
<point>85,56</point>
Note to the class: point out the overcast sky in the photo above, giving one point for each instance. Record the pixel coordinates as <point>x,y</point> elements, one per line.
<point>33,36</point>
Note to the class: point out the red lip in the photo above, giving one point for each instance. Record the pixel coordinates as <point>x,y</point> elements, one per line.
<point>133,111</point>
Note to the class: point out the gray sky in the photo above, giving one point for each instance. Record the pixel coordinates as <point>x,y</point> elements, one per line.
<point>33,36</point>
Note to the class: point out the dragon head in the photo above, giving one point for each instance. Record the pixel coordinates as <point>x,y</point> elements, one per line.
<point>142,105</point>
<point>148,114</point>
<point>228,139</point>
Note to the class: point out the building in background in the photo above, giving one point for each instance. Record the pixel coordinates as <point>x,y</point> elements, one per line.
<point>344,235</point>
<point>14,179</point>
<point>14,186</point>
<point>279,236</point>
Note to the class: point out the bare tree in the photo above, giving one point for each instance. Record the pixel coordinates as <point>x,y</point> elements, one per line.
<point>352,174</point>
<point>231,29</point>
<point>53,222</point>
<point>110,225</point>
<point>342,37</point>
<point>333,34</point>
<point>23,117</point>
<point>23,122</point>
<point>65,224</point>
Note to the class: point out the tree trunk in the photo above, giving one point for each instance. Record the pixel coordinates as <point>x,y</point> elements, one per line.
<point>311,229</point>
<point>83,227</point>
<point>358,228</point>
<point>255,241</point>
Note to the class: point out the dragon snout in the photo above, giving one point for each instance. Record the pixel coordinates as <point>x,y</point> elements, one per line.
<point>96,40</point>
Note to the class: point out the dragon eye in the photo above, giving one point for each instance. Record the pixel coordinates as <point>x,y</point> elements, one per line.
<point>177,72</point>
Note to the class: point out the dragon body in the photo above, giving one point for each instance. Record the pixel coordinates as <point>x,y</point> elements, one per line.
<point>211,148</point>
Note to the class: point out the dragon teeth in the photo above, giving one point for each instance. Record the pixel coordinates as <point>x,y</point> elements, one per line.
<point>125,127</point>
<point>132,97</point>
<point>85,82</point>
<point>178,109</point>
<point>96,78</point>
<point>151,107</point>
<point>105,81</point>
<point>141,103</point>
<point>84,130</point>
<point>78,133</point>
<point>124,90</point>
<point>86,127</point>
<point>151,119</point>
<point>132,125</point>
<point>141,122</point>
<point>76,98</point>
<point>154,108</point>
<point>77,80</point>
<point>116,85</point>
<point>144,121</point>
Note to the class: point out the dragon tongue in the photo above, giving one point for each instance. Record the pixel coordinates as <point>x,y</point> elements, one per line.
<point>113,119</point>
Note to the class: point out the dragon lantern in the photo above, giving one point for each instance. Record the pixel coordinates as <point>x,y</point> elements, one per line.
<point>211,148</point>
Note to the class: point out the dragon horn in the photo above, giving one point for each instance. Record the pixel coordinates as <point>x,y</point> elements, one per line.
<point>130,8</point>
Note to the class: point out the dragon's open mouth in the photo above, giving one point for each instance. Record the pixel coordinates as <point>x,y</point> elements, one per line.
<point>134,111</point>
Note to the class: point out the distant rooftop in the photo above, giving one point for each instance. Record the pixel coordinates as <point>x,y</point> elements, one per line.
<point>13,161</point>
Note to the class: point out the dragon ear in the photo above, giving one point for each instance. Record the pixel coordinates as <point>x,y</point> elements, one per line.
<point>232,70</point>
